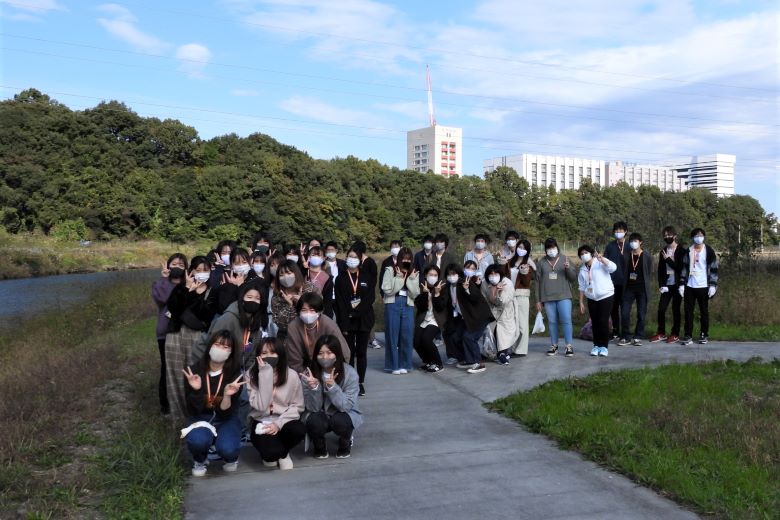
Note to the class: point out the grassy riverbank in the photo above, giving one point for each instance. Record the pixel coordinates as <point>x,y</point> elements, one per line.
<point>27,255</point>
<point>82,435</point>
<point>704,435</point>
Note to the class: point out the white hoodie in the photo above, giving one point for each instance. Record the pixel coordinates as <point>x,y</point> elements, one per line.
<point>596,282</point>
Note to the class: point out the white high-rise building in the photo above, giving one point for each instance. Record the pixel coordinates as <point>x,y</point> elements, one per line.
<point>563,173</point>
<point>663,177</point>
<point>436,148</point>
<point>714,172</point>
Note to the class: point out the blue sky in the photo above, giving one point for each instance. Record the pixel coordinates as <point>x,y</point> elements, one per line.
<point>636,80</point>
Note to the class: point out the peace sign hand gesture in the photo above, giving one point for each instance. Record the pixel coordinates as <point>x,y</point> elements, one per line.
<point>234,387</point>
<point>331,381</point>
<point>192,379</point>
<point>165,272</point>
<point>308,378</point>
<point>424,288</point>
<point>236,279</point>
<point>398,272</point>
<point>437,288</point>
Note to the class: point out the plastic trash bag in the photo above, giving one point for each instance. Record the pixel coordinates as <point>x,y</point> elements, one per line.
<point>538,324</point>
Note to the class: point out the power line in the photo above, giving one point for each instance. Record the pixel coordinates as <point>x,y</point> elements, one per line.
<point>352,93</point>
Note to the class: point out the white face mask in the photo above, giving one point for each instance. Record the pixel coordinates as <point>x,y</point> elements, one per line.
<point>432,279</point>
<point>225,259</point>
<point>353,262</point>
<point>309,317</point>
<point>469,272</point>
<point>511,243</point>
<point>428,246</point>
<point>202,277</point>
<point>521,252</point>
<point>259,268</point>
<point>698,240</point>
<point>331,255</point>
<point>585,258</point>
<point>619,235</point>
<point>453,278</point>
<point>273,270</point>
<point>395,250</point>
<point>218,354</point>
<point>287,280</point>
<point>494,279</point>
<point>634,245</point>
<point>315,261</point>
<point>440,246</point>
<point>241,269</point>
<point>552,253</point>
<point>479,246</point>
<point>292,258</point>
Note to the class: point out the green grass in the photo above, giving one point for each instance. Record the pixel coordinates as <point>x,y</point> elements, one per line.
<point>706,435</point>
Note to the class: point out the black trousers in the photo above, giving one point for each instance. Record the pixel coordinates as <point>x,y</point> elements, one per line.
<point>358,349</point>
<point>599,315</point>
<point>691,298</point>
<point>274,447</point>
<point>319,423</point>
<point>671,296</point>
<point>424,346</point>
<point>161,387</point>
<point>617,303</point>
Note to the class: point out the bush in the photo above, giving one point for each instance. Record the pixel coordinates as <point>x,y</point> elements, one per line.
<point>70,230</point>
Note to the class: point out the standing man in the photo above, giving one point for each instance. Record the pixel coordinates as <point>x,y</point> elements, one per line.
<point>441,257</point>
<point>668,274</point>
<point>639,283</point>
<point>424,257</point>
<point>698,284</point>
<point>617,252</point>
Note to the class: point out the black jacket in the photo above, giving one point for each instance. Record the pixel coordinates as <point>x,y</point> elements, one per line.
<point>646,265</point>
<point>612,252</point>
<point>713,267</point>
<point>196,399</point>
<point>189,308</point>
<point>361,318</point>
<point>226,293</point>
<point>473,307</point>
<point>674,263</point>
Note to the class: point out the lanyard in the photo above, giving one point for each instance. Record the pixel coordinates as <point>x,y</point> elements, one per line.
<point>246,337</point>
<point>315,278</point>
<point>552,265</point>
<point>621,247</point>
<point>695,254</point>
<point>354,283</point>
<point>210,399</point>
<point>306,340</point>
<point>634,264</point>
<point>590,275</point>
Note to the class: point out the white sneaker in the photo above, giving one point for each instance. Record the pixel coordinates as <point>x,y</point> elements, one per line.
<point>396,372</point>
<point>451,361</point>
<point>594,351</point>
<point>286,463</point>
<point>403,371</point>
<point>230,467</point>
<point>269,464</point>
<point>199,469</point>
<point>603,351</point>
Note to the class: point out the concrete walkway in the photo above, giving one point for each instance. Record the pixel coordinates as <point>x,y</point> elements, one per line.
<point>428,447</point>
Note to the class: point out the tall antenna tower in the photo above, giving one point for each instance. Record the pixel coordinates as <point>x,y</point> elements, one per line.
<point>431,117</point>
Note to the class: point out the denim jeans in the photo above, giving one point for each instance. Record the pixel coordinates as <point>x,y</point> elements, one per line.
<point>399,334</point>
<point>629,296</point>
<point>464,343</point>
<point>559,314</point>
<point>228,440</point>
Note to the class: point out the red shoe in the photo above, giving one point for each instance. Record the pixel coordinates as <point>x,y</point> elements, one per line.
<point>673,339</point>
<point>658,337</point>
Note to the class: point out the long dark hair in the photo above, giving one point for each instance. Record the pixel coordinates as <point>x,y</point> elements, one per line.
<point>233,364</point>
<point>280,370</point>
<point>253,321</point>
<point>333,344</point>
<point>515,257</point>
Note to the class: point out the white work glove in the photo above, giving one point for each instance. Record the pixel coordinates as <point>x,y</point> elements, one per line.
<point>711,291</point>
<point>664,290</point>
<point>682,290</point>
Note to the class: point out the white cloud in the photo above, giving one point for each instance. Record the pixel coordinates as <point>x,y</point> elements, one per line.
<point>194,58</point>
<point>318,110</point>
<point>29,10</point>
<point>122,24</point>
<point>241,92</point>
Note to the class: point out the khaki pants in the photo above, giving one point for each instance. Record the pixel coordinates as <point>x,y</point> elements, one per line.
<point>522,303</point>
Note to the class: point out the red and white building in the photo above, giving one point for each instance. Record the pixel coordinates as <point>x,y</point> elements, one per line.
<point>436,148</point>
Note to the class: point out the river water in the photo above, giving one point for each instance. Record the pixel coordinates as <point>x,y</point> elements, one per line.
<point>29,296</point>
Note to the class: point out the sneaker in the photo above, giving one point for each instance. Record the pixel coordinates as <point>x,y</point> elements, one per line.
<point>199,468</point>
<point>476,368</point>
<point>658,338</point>
<point>451,361</point>
<point>623,342</point>
<point>637,342</point>
<point>230,467</point>
<point>286,463</point>
<point>687,340</point>
<point>595,351</point>
<point>270,463</point>
<point>375,344</point>
<point>396,372</point>
<point>502,359</point>
<point>569,351</point>
<point>362,390</point>
<point>403,371</point>
<point>344,453</point>
<point>463,365</point>
<point>433,368</point>
<point>673,338</point>
<point>703,339</point>
<point>320,453</point>
<point>603,351</point>
<point>553,350</point>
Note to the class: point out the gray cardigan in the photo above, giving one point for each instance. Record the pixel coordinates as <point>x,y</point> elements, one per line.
<point>336,398</point>
<point>548,290</point>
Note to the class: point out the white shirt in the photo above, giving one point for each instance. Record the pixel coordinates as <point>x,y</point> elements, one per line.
<point>697,277</point>
<point>596,282</point>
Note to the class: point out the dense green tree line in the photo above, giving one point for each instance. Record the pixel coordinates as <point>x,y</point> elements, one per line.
<point>110,173</point>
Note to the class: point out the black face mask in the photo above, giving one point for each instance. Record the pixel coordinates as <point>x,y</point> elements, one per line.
<point>271,360</point>
<point>668,240</point>
<point>251,307</point>
<point>406,265</point>
<point>177,272</point>
<point>262,249</point>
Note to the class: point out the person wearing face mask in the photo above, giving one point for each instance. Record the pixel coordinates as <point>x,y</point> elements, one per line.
<point>698,284</point>
<point>441,256</point>
<point>617,252</point>
<point>262,244</point>
<point>669,259</point>
<point>467,314</point>
<point>276,400</point>
<point>330,392</point>
<point>520,269</point>
<point>239,273</point>
<point>390,261</point>
<point>499,294</point>
<point>213,383</point>
<point>271,268</point>
<point>320,278</point>
<point>511,239</point>
<point>173,273</point>
<point>288,288</point>
<point>480,254</point>
<point>424,256</point>
<point>304,331</point>
<point>595,284</point>
<point>355,313</point>
<point>553,293</point>
<point>294,253</point>
<point>400,286</point>
<point>190,316</point>
<point>333,266</point>
<point>222,262</point>
<point>428,323</point>
<point>639,288</point>
<point>258,262</point>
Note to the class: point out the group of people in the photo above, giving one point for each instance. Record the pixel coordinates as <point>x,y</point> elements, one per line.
<point>269,344</point>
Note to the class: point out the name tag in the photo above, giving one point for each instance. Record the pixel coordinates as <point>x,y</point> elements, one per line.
<point>669,271</point>
<point>402,293</point>
<point>354,302</point>
<point>553,276</point>
<point>632,276</point>
<point>590,289</point>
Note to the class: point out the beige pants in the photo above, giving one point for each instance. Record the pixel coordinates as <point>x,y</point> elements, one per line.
<point>522,299</point>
